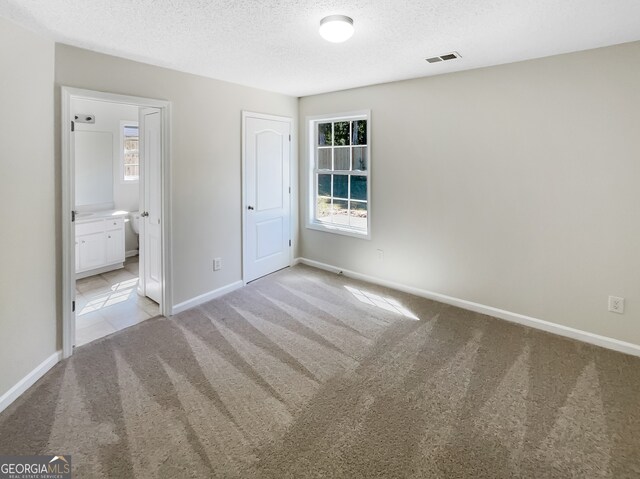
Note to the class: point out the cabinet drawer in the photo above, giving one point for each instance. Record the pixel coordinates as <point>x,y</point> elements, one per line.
<point>113,223</point>
<point>89,227</point>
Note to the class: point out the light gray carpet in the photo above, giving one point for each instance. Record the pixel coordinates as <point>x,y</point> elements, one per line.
<point>310,374</point>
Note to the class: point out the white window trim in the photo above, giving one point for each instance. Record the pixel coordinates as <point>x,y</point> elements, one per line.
<point>312,133</point>
<point>124,123</point>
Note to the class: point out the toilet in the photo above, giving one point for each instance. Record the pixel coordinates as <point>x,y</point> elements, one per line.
<point>135,221</point>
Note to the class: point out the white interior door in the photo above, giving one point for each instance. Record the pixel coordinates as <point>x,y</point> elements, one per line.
<point>266,194</point>
<point>151,204</point>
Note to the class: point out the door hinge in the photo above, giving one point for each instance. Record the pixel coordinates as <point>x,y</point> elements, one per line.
<point>289,137</point>
<point>73,216</point>
<point>289,190</point>
<point>73,306</point>
<point>289,242</point>
<point>73,125</point>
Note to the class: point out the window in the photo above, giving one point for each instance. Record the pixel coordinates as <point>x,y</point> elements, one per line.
<point>130,152</point>
<point>339,181</point>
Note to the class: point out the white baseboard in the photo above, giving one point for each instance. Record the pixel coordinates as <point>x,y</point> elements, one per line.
<point>584,336</point>
<point>29,380</point>
<point>203,298</point>
<point>130,253</point>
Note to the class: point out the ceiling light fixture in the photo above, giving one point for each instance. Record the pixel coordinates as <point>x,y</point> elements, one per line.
<point>336,28</point>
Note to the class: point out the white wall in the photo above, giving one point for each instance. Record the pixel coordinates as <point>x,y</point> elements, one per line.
<point>27,202</point>
<point>515,186</point>
<point>108,116</point>
<point>205,156</point>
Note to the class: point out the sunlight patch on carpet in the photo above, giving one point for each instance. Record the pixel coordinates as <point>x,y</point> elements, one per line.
<point>388,304</point>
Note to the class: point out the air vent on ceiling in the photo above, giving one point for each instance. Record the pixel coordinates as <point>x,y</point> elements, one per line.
<point>444,58</point>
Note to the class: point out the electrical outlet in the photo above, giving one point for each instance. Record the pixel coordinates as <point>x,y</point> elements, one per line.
<point>380,255</point>
<point>616,304</point>
<point>217,264</point>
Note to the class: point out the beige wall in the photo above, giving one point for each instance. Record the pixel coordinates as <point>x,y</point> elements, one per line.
<point>515,186</point>
<point>28,235</point>
<point>205,156</point>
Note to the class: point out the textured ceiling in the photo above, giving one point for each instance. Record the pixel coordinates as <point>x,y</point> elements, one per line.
<point>275,45</point>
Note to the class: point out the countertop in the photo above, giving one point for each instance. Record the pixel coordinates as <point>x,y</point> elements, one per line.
<point>98,215</point>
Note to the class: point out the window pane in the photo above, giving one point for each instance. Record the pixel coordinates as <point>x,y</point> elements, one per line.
<point>359,132</point>
<point>131,159</point>
<point>324,185</point>
<point>131,144</point>
<point>323,209</point>
<point>340,186</point>
<point>342,161</point>
<point>359,188</point>
<point>131,172</point>
<point>340,212</point>
<point>324,134</point>
<point>358,215</point>
<point>341,130</point>
<point>324,158</point>
<point>360,158</point>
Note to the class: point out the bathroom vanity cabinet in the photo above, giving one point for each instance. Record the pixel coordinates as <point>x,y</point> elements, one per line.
<point>99,242</point>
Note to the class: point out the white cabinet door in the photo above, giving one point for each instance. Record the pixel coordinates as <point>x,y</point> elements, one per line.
<point>115,246</point>
<point>92,250</point>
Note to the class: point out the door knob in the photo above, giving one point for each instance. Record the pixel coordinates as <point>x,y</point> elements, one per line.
<point>249,207</point>
<point>144,214</point>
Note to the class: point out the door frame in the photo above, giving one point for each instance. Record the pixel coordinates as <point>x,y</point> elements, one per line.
<point>263,116</point>
<point>68,202</point>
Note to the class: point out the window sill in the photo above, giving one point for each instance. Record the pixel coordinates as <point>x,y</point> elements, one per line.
<point>339,230</point>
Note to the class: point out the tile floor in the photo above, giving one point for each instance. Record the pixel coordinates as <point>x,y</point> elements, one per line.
<point>109,302</point>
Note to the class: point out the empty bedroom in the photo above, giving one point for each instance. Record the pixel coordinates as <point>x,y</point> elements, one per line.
<point>283,239</point>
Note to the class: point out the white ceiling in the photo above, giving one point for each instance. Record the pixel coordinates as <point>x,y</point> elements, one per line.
<point>275,45</point>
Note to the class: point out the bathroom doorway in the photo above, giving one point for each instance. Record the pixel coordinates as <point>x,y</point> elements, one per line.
<point>114,239</point>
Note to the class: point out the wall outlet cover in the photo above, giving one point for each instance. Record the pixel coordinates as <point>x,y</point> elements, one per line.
<point>616,304</point>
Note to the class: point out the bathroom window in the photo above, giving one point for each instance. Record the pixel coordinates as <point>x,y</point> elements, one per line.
<point>130,164</point>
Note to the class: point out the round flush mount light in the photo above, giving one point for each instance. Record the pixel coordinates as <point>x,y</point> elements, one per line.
<point>336,28</point>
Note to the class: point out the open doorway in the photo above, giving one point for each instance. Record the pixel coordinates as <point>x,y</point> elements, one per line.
<point>114,239</point>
